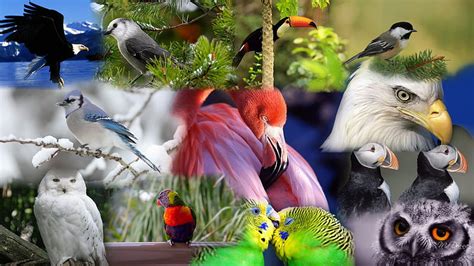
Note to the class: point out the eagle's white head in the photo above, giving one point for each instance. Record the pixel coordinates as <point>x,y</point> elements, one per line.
<point>393,110</point>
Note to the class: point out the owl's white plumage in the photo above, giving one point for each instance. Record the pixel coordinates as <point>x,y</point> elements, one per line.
<point>69,221</point>
<point>368,112</point>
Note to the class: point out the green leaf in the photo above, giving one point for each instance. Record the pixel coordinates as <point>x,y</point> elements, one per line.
<point>320,3</point>
<point>287,8</point>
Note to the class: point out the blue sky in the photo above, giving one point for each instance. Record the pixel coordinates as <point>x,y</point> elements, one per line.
<point>73,10</point>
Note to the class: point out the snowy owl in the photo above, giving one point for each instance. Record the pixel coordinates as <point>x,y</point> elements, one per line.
<point>68,220</point>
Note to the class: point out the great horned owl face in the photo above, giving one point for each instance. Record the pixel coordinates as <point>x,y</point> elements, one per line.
<point>426,232</point>
<point>57,183</point>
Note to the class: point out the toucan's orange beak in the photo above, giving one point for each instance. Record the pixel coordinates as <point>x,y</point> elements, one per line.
<point>460,165</point>
<point>275,155</point>
<point>390,161</point>
<point>297,21</point>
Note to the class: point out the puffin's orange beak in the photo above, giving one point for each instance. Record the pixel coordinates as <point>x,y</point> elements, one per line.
<point>391,160</point>
<point>275,155</point>
<point>297,21</point>
<point>460,165</point>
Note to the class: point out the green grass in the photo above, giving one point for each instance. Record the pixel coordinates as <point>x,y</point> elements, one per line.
<point>218,213</point>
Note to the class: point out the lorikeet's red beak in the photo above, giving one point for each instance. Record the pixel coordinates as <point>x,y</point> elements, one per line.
<point>297,21</point>
<point>158,203</point>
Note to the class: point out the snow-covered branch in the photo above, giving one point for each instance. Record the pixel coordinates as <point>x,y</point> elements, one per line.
<point>52,146</point>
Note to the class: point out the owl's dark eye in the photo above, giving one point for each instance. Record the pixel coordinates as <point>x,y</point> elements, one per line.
<point>73,180</point>
<point>55,179</point>
<point>401,227</point>
<point>403,95</point>
<point>440,233</point>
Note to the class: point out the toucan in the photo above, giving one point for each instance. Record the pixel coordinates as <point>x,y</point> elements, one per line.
<point>253,42</point>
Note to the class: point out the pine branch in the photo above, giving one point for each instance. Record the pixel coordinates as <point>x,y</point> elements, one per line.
<point>420,66</point>
<point>83,152</point>
<point>149,27</point>
<point>267,45</point>
<point>426,62</point>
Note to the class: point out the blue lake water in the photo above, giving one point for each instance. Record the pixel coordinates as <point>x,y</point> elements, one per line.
<point>12,73</point>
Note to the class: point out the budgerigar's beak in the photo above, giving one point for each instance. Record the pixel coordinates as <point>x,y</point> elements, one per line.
<point>459,165</point>
<point>297,21</point>
<point>275,155</point>
<point>437,120</point>
<point>390,160</point>
<point>273,216</point>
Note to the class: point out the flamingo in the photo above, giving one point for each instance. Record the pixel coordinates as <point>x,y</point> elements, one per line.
<point>246,146</point>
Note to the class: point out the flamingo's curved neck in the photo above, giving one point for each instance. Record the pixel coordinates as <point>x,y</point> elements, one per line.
<point>188,102</point>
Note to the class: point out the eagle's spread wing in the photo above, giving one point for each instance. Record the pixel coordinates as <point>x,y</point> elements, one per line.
<point>40,29</point>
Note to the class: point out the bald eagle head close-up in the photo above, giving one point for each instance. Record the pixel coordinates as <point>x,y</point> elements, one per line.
<point>396,110</point>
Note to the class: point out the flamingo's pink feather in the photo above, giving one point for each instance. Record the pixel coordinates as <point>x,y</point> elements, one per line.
<point>218,143</point>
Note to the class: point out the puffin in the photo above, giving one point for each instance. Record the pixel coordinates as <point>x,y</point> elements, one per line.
<point>366,190</point>
<point>434,181</point>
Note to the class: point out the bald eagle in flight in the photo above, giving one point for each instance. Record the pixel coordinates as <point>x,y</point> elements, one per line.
<point>41,31</point>
<point>397,111</point>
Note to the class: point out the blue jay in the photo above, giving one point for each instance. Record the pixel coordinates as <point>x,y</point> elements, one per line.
<point>93,127</point>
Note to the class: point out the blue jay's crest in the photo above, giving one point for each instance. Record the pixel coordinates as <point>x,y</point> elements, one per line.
<point>77,93</point>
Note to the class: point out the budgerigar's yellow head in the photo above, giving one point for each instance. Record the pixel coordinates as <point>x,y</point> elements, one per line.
<point>261,219</point>
<point>306,228</point>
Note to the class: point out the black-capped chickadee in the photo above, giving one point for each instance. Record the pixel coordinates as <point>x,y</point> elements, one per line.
<point>389,43</point>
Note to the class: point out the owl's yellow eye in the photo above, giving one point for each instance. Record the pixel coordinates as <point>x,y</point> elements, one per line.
<point>440,233</point>
<point>401,227</point>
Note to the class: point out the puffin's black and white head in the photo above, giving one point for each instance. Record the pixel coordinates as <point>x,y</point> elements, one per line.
<point>445,157</point>
<point>293,22</point>
<point>121,28</point>
<point>396,111</point>
<point>72,101</point>
<point>373,155</point>
<point>402,31</point>
<point>77,48</point>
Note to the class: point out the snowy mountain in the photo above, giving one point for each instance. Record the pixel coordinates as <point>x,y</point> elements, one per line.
<point>85,32</point>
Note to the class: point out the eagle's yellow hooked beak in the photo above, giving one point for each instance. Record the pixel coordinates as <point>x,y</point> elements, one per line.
<point>436,120</point>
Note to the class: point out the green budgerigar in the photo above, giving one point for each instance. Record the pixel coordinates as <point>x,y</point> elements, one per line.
<point>312,236</point>
<point>260,219</point>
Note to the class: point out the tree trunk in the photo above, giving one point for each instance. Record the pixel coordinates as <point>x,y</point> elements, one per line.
<point>267,45</point>
<point>17,250</point>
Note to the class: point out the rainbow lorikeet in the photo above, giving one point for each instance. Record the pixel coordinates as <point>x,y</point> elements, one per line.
<point>179,219</point>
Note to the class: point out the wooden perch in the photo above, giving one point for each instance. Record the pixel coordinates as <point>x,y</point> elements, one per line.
<point>147,253</point>
<point>20,251</point>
